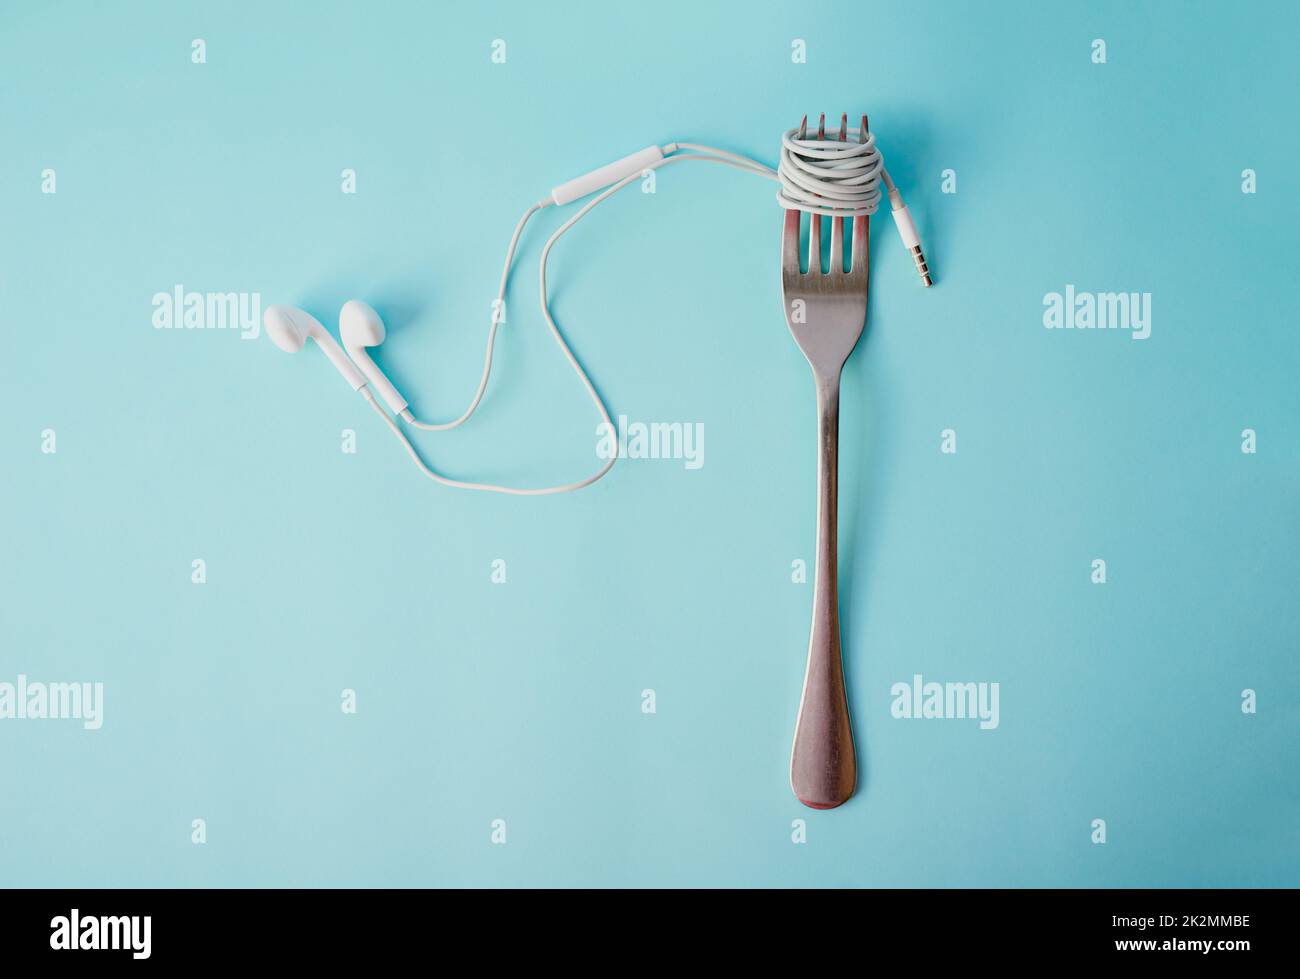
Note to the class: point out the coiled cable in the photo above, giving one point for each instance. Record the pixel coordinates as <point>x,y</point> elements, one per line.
<point>832,178</point>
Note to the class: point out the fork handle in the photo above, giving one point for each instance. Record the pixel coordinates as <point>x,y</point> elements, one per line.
<point>823,766</point>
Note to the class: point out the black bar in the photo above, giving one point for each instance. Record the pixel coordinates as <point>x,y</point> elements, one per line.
<point>373,927</point>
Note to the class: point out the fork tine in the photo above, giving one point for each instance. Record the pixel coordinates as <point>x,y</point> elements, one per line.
<point>790,236</point>
<point>814,244</point>
<point>815,221</point>
<point>861,232</point>
<point>862,225</point>
<point>837,224</point>
<point>790,244</point>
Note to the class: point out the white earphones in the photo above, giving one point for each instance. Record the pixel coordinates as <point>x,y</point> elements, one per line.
<point>289,327</point>
<point>360,327</point>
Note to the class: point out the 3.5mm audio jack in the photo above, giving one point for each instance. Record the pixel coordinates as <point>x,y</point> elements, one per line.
<point>907,228</point>
<point>919,258</point>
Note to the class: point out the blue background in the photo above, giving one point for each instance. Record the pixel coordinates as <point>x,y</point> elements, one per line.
<point>522,701</point>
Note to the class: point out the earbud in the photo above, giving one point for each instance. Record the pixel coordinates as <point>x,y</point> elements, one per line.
<point>289,327</point>
<point>360,327</point>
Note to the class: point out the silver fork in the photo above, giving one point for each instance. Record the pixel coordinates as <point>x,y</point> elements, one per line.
<point>826,313</point>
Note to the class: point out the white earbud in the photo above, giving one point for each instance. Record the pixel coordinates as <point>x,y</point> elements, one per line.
<point>360,327</point>
<point>289,327</point>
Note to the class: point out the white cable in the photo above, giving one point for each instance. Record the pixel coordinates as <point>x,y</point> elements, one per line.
<point>830,178</point>
<point>719,156</point>
<point>492,332</point>
<point>833,178</point>
<point>461,484</point>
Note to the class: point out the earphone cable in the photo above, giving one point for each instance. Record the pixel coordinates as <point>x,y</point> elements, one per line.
<point>839,179</point>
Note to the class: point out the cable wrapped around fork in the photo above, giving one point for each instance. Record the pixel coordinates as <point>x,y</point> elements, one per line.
<point>838,179</point>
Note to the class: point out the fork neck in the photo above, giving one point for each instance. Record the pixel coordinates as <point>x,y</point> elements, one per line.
<point>828,387</point>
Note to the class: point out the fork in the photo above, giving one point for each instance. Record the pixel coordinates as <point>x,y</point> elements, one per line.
<point>826,313</point>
